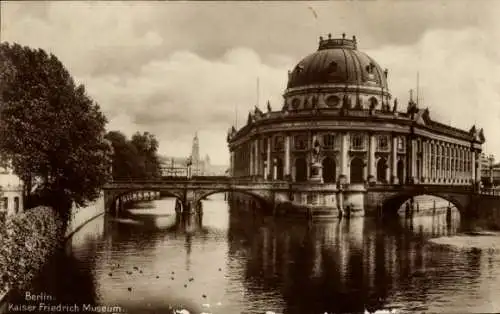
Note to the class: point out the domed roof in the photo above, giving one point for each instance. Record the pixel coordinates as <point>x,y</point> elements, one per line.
<point>337,61</point>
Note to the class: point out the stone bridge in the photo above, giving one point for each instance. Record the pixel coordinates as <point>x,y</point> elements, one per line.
<point>303,199</point>
<point>190,192</point>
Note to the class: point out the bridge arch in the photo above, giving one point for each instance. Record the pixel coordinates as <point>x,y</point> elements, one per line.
<point>260,198</point>
<point>391,204</point>
<point>164,193</point>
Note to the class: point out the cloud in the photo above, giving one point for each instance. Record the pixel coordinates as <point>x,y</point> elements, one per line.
<point>184,93</point>
<point>174,68</point>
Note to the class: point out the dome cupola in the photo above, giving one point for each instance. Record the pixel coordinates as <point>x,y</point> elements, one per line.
<point>337,73</point>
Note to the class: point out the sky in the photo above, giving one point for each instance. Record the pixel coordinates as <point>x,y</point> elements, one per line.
<point>174,68</point>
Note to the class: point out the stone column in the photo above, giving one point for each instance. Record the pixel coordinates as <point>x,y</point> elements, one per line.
<point>287,156</point>
<point>372,176</point>
<point>268,158</point>
<point>344,157</point>
<point>394,161</point>
<point>434,164</point>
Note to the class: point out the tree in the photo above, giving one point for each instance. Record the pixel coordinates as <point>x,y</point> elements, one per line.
<point>51,130</point>
<point>135,158</point>
<point>126,160</point>
<point>147,147</point>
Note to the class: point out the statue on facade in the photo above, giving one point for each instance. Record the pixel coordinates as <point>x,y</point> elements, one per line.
<point>395,107</point>
<point>316,152</point>
<point>269,109</point>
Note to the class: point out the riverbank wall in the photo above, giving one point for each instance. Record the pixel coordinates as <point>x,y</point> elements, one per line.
<point>82,215</point>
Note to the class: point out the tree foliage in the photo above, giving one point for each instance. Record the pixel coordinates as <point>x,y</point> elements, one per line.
<point>50,129</point>
<point>135,158</point>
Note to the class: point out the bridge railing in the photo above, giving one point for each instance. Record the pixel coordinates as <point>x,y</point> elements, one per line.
<point>198,179</point>
<point>490,191</point>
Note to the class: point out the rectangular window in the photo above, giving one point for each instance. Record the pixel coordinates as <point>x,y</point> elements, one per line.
<point>401,143</point>
<point>278,143</point>
<point>329,141</point>
<point>300,142</point>
<point>357,142</point>
<point>383,143</point>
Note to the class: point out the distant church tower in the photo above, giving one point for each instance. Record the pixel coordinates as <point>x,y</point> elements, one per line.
<point>195,154</point>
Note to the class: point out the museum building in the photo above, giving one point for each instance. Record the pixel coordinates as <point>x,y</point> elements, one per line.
<point>339,125</point>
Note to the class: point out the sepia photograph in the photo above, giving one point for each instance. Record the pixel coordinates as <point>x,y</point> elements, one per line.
<point>250,157</point>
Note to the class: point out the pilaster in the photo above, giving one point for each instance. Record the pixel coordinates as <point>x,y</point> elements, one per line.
<point>371,159</point>
<point>287,156</point>
<point>394,160</point>
<point>414,160</point>
<point>252,157</point>
<point>268,158</point>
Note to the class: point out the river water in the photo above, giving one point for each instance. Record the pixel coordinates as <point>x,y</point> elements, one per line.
<point>230,261</point>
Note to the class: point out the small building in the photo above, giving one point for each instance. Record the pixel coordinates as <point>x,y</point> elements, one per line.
<point>11,191</point>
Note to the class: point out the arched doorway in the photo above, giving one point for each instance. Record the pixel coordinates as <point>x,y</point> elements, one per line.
<point>329,174</point>
<point>300,170</point>
<point>381,170</point>
<point>400,172</point>
<point>357,167</point>
<point>279,169</point>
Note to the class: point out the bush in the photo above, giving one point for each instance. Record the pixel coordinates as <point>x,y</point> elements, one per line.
<point>26,242</point>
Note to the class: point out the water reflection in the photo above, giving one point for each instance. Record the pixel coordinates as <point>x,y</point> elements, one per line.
<point>244,263</point>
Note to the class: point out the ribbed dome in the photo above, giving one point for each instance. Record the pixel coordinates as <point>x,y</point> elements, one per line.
<point>337,61</point>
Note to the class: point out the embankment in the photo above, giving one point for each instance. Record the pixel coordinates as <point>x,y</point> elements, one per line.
<point>27,241</point>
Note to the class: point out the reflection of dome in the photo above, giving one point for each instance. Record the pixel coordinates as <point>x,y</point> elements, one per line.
<point>337,61</point>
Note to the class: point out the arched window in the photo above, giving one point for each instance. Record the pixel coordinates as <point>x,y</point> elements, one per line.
<point>295,103</point>
<point>333,67</point>
<point>373,102</point>
<point>357,169</point>
<point>300,169</point>
<point>381,170</point>
<point>5,202</point>
<point>329,171</point>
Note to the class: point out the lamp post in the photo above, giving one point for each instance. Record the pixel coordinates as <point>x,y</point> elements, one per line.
<point>189,162</point>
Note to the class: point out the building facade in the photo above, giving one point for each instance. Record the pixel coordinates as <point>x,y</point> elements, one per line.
<point>340,125</point>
